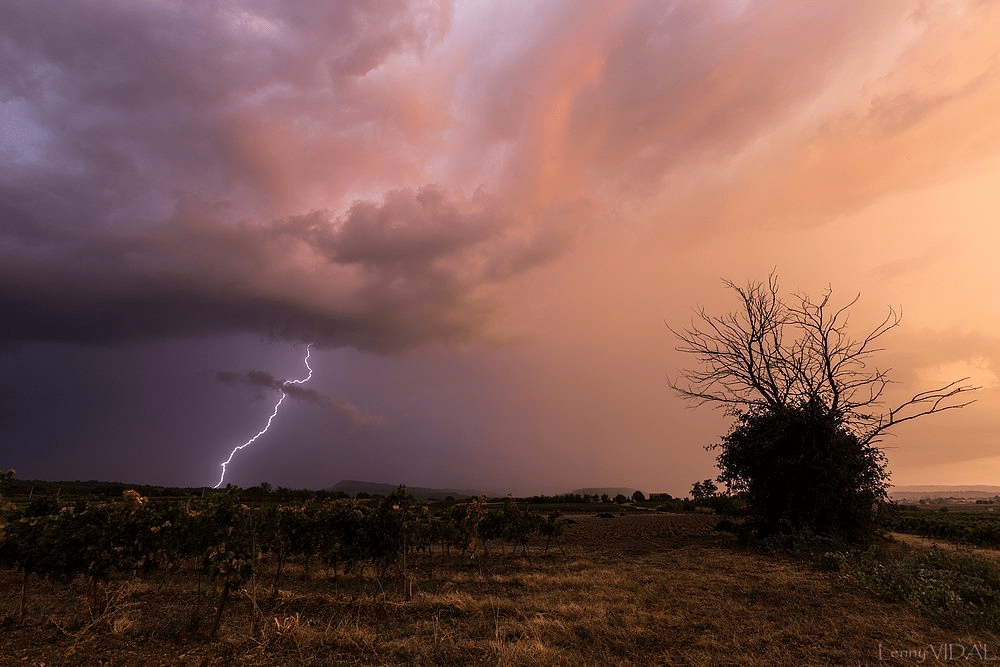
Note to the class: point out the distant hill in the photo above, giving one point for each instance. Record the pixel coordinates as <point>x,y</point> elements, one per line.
<point>612,491</point>
<point>353,487</point>
<point>917,492</point>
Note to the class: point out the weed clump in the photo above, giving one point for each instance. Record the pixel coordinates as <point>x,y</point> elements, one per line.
<point>952,590</point>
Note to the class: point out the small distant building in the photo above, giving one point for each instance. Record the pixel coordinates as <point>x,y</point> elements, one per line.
<point>660,496</point>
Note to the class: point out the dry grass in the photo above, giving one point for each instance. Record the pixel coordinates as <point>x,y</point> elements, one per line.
<point>916,542</point>
<point>633,590</point>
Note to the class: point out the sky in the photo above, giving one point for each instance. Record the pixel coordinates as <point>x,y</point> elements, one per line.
<point>482,217</point>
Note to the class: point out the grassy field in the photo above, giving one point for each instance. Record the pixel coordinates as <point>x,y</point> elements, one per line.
<point>636,589</point>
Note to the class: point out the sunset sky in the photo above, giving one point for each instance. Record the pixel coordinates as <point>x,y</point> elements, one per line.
<point>483,216</point>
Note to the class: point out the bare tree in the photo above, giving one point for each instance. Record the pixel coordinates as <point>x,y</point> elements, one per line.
<point>774,353</point>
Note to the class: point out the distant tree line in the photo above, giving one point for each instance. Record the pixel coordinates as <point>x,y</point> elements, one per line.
<point>24,489</point>
<point>581,498</point>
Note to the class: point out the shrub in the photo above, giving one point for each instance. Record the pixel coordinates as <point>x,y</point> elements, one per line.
<point>800,470</point>
<point>952,590</point>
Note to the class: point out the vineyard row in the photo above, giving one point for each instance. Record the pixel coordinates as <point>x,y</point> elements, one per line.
<point>227,538</point>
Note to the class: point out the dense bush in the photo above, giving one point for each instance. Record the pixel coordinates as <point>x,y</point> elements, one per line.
<point>799,469</point>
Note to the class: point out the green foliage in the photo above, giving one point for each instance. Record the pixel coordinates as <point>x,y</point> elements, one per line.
<point>135,536</point>
<point>230,532</point>
<point>982,529</point>
<point>676,505</point>
<point>799,469</point>
<point>956,591</point>
<point>703,490</point>
<point>952,590</point>
<point>92,539</point>
<point>565,499</point>
<point>822,551</point>
<point>706,494</point>
<point>393,520</point>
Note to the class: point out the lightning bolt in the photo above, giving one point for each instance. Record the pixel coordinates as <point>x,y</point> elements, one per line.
<point>270,419</point>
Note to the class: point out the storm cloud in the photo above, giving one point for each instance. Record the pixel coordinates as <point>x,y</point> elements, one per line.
<point>204,168</point>
<point>162,197</point>
<point>264,380</point>
<point>481,213</point>
<point>381,277</point>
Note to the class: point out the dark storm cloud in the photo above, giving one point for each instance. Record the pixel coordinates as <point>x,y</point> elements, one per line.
<point>252,378</point>
<point>382,277</point>
<point>195,167</point>
<point>175,148</point>
<point>264,380</point>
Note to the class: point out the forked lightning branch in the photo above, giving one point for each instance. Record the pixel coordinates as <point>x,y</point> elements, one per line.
<point>274,413</point>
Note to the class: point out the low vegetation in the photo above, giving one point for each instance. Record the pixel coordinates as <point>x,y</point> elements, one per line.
<point>953,590</point>
<point>496,584</point>
<point>966,527</point>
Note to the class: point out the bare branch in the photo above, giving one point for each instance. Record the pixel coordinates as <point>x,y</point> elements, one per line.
<point>925,403</point>
<point>774,355</point>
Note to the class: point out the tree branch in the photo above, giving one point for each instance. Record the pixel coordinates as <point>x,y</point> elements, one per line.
<point>773,355</point>
<point>934,400</point>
